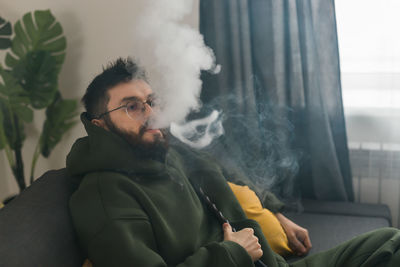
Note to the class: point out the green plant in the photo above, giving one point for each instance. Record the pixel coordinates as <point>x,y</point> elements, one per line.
<point>29,80</point>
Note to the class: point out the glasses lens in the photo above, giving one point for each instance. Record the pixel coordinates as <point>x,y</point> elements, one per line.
<point>154,103</point>
<point>134,109</point>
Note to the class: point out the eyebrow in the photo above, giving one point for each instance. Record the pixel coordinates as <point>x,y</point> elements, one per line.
<point>129,98</point>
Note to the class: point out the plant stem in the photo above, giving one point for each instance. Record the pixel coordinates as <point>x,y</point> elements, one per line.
<point>7,148</point>
<point>19,170</point>
<point>35,157</point>
<point>19,164</point>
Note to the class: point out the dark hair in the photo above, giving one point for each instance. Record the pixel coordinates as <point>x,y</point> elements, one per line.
<point>96,97</point>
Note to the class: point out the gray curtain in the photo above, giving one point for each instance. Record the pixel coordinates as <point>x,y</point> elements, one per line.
<point>280,91</point>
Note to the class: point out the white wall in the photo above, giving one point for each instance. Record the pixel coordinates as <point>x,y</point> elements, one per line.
<point>97,32</point>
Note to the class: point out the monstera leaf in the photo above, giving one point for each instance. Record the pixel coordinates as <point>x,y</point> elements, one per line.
<point>14,131</point>
<point>11,88</point>
<point>14,97</point>
<point>5,34</point>
<point>37,74</point>
<point>14,109</point>
<point>37,32</point>
<point>29,79</point>
<point>59,119</point>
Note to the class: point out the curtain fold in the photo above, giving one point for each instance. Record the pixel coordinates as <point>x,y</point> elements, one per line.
<point>280,91</point>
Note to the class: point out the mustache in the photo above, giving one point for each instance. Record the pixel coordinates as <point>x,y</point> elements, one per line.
<point>144,127</point>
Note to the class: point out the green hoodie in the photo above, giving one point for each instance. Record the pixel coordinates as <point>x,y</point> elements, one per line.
<point>130,211</point>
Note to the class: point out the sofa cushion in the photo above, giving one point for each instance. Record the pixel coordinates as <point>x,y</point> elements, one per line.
<point>348,208</point>
<point>36,228</point>
<point>328,231</point>
<point>332,223</point>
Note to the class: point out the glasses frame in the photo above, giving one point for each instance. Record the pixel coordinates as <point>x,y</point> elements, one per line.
<point>149,102</point>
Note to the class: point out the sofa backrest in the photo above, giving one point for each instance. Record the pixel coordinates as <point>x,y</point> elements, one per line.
<point>36,228</point>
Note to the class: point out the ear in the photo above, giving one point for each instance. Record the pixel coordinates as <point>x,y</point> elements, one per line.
<point>100,123</point>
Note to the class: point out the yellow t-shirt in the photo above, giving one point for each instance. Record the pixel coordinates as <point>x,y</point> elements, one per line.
<point>271,227</point>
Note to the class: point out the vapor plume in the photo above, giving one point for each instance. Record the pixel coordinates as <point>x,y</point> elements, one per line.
<point>201,132</point>
<point>174,54</point>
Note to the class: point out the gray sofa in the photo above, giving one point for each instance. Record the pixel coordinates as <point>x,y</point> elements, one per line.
<point>36,229</point>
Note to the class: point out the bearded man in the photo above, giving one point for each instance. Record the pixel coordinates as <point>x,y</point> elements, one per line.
<point>138,201</point>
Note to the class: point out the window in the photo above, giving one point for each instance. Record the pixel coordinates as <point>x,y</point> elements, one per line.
<point>369,47</point>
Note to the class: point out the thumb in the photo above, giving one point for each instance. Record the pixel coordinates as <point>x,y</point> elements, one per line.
<point>227,229</point>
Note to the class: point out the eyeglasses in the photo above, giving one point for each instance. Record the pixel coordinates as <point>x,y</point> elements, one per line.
<point>133,108</point>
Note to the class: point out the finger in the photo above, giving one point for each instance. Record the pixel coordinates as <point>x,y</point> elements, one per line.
<point>227,228</point>
<point>297,246</point>
<point>227,231</point>
<point>305,239</point>
<point>254,244</point>
<point>250,230</point>
<point>255,251</point>
<point>259,253</point>
<point>307,242</point>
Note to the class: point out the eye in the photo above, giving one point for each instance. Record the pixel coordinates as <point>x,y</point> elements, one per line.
<point>132,106</point>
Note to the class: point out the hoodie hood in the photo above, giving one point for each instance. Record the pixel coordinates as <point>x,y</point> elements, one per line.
<point>102,150</point>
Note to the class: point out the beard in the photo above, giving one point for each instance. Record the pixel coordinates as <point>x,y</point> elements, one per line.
<point>157,149</point>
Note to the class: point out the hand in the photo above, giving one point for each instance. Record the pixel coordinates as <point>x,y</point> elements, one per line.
<point>299,240</point>
<point>245,238</point>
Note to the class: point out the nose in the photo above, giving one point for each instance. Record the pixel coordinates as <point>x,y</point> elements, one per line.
<point>147,109</point>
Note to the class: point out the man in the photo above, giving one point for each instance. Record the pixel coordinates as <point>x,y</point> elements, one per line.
<point>138,204</point>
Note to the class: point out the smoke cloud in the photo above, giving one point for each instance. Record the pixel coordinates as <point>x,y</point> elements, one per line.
<point>201,132</point>
<point>258,145</point>
<point>173,54</point>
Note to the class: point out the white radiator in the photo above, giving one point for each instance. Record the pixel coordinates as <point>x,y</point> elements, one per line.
<point>376,175</point>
